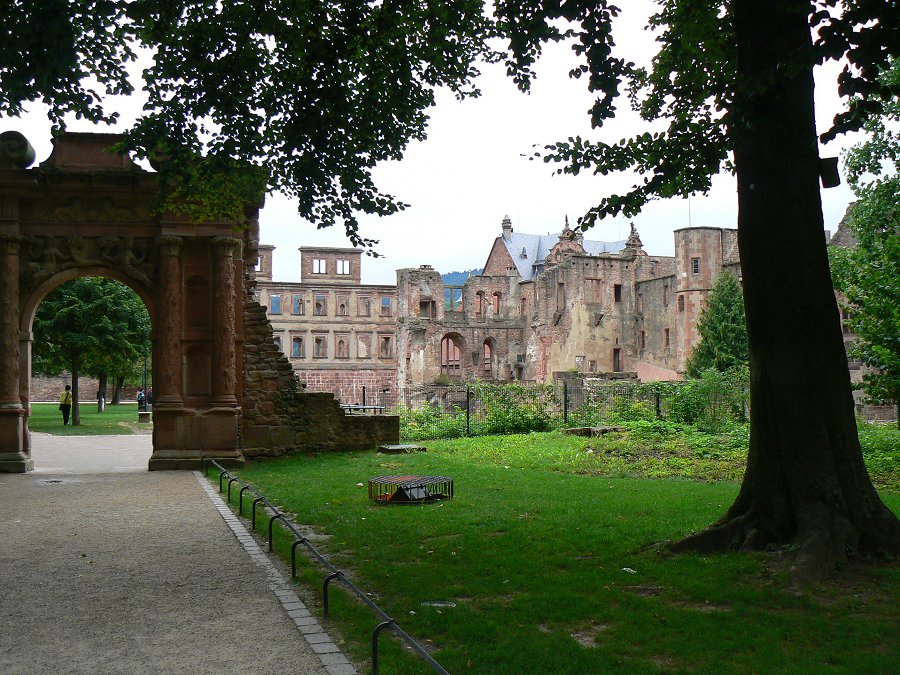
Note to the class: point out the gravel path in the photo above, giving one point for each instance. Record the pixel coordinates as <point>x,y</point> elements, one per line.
<point>131,571</point>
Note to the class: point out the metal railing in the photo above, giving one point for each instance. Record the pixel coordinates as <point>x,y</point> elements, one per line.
<point>386,621</point>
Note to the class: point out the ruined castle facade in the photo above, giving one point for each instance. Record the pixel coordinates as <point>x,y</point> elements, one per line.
<point>544,305</point>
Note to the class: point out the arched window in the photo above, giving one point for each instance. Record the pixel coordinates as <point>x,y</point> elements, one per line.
<point>486,363</point>
<point>450,357</point>
<point>479,303</point>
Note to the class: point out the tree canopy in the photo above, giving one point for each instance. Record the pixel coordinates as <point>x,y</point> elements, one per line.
<point>868,274</point>
<point>310,94</point>
<point>722,328</point>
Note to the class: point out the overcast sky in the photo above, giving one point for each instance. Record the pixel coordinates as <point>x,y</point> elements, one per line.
<point>471,172</point>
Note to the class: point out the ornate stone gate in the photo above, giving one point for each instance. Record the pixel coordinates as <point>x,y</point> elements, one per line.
<point>88,212</point>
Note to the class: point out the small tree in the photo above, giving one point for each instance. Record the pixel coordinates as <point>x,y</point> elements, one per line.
<point>722,328</point>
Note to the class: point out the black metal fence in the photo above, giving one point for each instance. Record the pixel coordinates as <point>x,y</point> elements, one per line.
<point>483,408</point>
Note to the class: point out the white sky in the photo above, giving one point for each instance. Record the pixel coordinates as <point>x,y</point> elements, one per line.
<point>470,172</point>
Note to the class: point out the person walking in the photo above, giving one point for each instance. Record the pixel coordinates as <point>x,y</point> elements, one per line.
<point>65,404</point>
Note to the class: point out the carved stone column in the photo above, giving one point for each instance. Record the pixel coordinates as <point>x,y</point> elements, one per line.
<point>224,303</point>
<point>168,388</point>
<point>13,456</point>
<point>9,319</point>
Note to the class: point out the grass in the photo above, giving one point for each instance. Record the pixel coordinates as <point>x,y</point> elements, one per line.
<point>546,551</point>
<point>116,419</point>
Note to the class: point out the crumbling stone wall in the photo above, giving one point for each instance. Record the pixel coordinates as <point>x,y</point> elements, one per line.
<point>279,415</point>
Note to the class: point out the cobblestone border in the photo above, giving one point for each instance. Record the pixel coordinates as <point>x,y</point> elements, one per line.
<point>331,656</point>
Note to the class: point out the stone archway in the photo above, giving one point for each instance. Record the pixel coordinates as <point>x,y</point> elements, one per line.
<point>87,211</point>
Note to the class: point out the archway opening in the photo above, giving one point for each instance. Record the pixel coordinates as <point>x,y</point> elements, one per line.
<point>451,348</point>
<point>90,361</point>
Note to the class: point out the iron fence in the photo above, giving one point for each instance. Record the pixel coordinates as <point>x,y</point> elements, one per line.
<point>481,408</point>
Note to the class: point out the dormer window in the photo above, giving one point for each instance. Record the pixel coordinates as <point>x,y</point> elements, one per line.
<point>524,253</point>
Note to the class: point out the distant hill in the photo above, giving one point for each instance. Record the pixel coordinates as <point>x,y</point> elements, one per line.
<point>458,278</point>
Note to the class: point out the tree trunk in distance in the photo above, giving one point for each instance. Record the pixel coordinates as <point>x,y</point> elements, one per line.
<point>104,381</point>
<point>76,413</point>
<point>120,381</point>
<point>805,482</point>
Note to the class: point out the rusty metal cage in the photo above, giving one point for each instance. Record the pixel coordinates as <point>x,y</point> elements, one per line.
<point>410,489</point>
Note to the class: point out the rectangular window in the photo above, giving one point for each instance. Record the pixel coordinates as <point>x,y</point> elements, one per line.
<point>596,290</point>
<point>385,306</point>
<point>297,305</point>
<point>617,360</point>
<point>321,308</point>
<point>319,266</point>
<point>321,348</point>
<point>665,295</point>
<point>363,346</point>
<point>617,292</point>
<point>385,346</point>
<point>343,305</point>
<point>640,302</point>
<point>666,337</point>
<point>427,309</point>
<point>364,307</point>
<point>275,303</point>
<point>342,267</point>
<point>643,340</point>
<point>680,303</point>
<point>695,265</point>
<point>342,346</point>
<point>297,347</point>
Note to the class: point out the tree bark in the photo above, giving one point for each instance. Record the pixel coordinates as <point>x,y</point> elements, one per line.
<point>805,482</point>
<point>120,382</point>
<point>76,414</point>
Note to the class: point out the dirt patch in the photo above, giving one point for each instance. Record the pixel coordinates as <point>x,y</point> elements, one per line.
<point>644,591</point>
<point>587,636</point>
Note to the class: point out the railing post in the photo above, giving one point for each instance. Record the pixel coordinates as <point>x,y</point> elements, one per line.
<point>375,634</point>
<point>468,414</point>
<point>364,395</point>
<point>565,402</point>
<point>657,396</point>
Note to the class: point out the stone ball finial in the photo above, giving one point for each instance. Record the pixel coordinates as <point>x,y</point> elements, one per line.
<point>15,151</point>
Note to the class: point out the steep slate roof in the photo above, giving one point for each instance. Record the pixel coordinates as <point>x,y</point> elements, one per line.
<point>537,247</point>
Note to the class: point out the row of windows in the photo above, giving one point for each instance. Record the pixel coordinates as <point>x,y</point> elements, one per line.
<point>321,301</point>
<point>665,338</point>
<point>341,346</point>
<point>320,266</point>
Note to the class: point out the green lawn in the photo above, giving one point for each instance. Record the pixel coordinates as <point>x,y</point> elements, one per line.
<point>546,551</point>
<point>116,419</point>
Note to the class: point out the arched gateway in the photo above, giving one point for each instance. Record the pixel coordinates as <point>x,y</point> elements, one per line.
<point>87,211</point>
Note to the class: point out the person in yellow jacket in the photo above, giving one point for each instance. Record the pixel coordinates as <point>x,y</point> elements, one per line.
<point>65,404</point>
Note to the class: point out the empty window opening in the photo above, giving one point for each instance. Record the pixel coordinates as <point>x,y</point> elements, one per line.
<point>666,337</point>
<point>496,303</point>
<point>297,347</point>
<point>385,306</point>
<point>385,346</point>
<point>427,309</point>
<point>342,266</point>
<point>364,307</point>
<point>680,303</point>
<point>341,349</point>
<point>487,359</point>
<point>617,292</point>
<point>321,348</point>
<point>321,307</point>
<point>275,303</point>
<point>319,266</point>
<point>449,357</point>
<point>297,305</point>
<point>617,360</point>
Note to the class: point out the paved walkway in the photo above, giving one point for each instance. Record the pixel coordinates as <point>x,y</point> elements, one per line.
<point>108,568</point>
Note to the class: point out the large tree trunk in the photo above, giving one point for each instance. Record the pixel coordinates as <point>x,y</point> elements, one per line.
<point>805,483</point>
